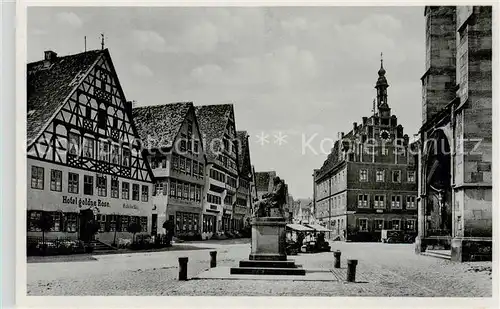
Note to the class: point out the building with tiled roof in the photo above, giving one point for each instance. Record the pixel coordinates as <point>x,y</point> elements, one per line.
<point>83,158</point>
<point>171,141</point>
<point>218,129</point>
<point>368,181</point>
<point>244,200</point>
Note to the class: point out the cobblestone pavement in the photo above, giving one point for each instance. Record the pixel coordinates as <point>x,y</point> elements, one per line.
<point>383,270</point>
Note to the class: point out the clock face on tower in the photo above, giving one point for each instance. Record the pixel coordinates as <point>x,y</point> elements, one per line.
<point>384,134</point>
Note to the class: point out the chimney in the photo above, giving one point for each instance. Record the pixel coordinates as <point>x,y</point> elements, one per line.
<point>354,126</point>
<point>341,134</point>
<point>128,107</point>
<point>365,119</point>
<point>49,58</point>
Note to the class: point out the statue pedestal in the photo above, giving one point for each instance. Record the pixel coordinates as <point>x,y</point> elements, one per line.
<point>268,239</point>
<point>268,253</point>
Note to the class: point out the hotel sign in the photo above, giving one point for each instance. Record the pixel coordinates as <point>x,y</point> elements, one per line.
<point>82,202</point>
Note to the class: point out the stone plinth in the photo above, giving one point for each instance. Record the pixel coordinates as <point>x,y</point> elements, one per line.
<point>268,253</point>
<point>268,239</point>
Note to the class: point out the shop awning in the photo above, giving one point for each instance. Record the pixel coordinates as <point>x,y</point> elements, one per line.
<point>318,228</point>
<point>299,227</point>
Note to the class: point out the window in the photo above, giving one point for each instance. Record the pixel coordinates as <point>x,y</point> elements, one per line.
<point>396,224</point>
<point>196,146</point>
<point>410,202</point>
<point>188,166</point>
<point>363,200</point>
<point>158,190</point>
<point>183,143</point>
<point>102,222</point>
<point>115,154</point>
<point>363,175</point>
<point>126,157</point>
<point>103,151</point>
<point>396,201</point>
<point>112,222</point>
<point>88,147</point>
<point>135,192</point>
<point>73,182</point>
<point>175,161</point>
<point>125,190</point>
<point>396,176</point>
<point>144,224</point>
<point>195,169</point>
<point>410,224</point>
<point>115,184</point>
<point>198,194</point>
<point>55,180</point>
<point>56,217</point>
<point>102,118</point>
<point>385,151</point>
<point>172,188</point>
<point>379,201</point>
<point>179,190</point>
<point>102,184</point>
<point>363,224</point>
<point>124,223</point>
<point>37,177</point>
<point>186,191</point>
<point>33,217</point>
<point>182,164</point>
<point>380,176</point>
<point>201,170</point>
<point>144,195</point>
<point>379,224</point>
<point>73,143</point>
<point>71,220</point>
<point>191,192</point>
<point>88,185</point>
<point>411,176</point>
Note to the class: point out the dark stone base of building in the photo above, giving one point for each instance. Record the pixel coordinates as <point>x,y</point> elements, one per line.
<point>463,249</point>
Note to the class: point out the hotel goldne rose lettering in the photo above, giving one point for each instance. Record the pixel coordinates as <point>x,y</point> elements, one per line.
<point>85,202</point>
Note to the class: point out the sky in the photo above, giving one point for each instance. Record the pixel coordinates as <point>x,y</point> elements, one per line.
<point>297,76</point>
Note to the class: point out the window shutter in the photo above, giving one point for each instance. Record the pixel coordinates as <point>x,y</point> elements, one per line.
<point>165,188</point>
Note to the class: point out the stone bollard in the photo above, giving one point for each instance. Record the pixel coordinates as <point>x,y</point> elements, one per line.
<point>336,255</point>
<point>213,259</point>
<point>351,270</point>
<point>183,261</point>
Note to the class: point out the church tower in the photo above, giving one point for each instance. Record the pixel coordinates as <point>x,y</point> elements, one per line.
<point>381,86</point>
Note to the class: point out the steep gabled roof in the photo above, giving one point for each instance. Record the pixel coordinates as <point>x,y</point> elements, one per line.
<point>158,125</point>
<point>48,86</point>
<point>263,180</point>
<point>212,120</point>
<point>244,164</point>
<point>331,161</point>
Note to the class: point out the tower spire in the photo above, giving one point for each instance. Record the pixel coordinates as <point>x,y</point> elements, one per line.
<point>381,86</point>
<point>102,40</point>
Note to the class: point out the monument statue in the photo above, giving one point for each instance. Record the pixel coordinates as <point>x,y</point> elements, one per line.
<point>272,200</point>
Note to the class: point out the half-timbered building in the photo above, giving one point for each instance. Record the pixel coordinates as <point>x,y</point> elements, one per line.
<point>82,149</point>
<point>172,143</point>
<point>244,201</point>
<point>218,128</point>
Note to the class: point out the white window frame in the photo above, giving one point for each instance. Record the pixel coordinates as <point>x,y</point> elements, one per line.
<point>414,224</point>
<point>408,197</point>
<point>394,201</point>
<point>408,176</point>
<point>361,179</point>
<point>376,227</point>
<point>376,203</point>
<point>364,203</point>
<point>399,224</point>
<point>359,225</point>
<point>396,171</point>
<point>377,176</point>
